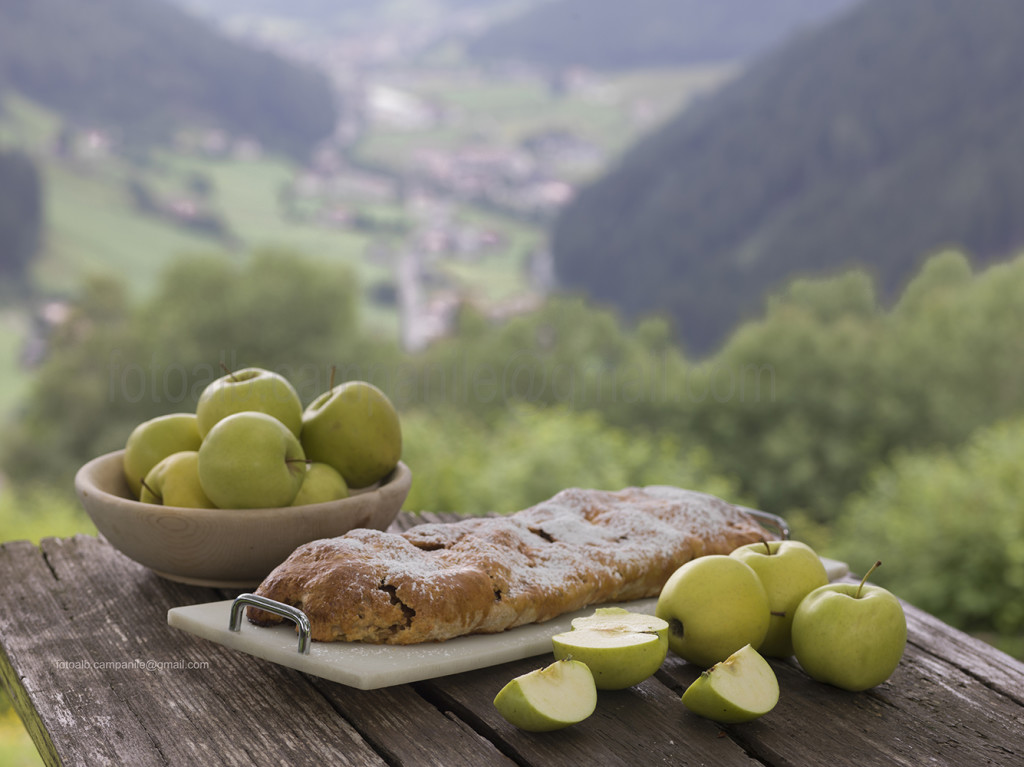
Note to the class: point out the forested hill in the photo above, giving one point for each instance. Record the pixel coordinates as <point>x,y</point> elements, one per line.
<point>611,34</point>
<point>328,14</point>
<point>145,66</point>
<point>896,130</point>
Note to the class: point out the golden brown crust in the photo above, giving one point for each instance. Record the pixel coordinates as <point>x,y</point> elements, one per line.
<point>484,575</point>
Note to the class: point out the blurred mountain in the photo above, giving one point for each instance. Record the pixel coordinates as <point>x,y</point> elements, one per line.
<point>894,131</point>
<point>610,34</point>
<point>325,12</point>
<point>311,10</point>
<point>146,67</point>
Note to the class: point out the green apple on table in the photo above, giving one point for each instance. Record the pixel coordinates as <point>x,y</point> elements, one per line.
<point>850,635</point>
<point>251,460</point>
<point>620,648</point>
<point>354,428</point>
<point>249,389</point>
<point>549,698</point>
<point>321,483</point>
<point>153,440</point>
<point>714,604</point>
<point>175,482</point>
<point>789,571</point>
<point>739,689</point>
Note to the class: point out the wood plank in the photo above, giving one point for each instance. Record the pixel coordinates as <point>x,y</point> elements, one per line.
<point>38,638</point>
<point>646,723</point>
<point>403,725</point>
<point>80,621</point>
<point>28,613</point>
<point>128,696</point>
<point>989,665</point>
<point>407,730</point>
<point>978,659</point>
<point>929,711</point>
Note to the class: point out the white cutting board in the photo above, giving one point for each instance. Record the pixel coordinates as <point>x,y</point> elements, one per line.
<point>369,666</point>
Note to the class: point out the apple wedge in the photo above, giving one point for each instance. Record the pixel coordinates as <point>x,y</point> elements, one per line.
<point>738,689</point>
<point>620,648</point>
<point>549,698</point>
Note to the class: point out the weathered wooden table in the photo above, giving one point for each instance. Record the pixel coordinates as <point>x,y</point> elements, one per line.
<point>100,678</point>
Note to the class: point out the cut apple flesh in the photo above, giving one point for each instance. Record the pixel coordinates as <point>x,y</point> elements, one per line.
<point>598,639</point>
<point>617,658</point>
<point>739,689</point>
<point>620,619</point>
<point>602,639</point>
<point>549,698</point>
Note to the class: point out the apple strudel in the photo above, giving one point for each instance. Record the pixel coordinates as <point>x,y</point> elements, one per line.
<point>437,581</point>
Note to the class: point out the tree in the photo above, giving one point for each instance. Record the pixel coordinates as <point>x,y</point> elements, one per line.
<point>868,142</point>
<point>276,310</point>
<point>567,353</point>
<point>149,69</point>
<point>948,526</point>
<point>21,213</point>
<point>116,363</point>
<point>528,453</point>
<point>845,383</point>
<point>789,405</point>
<point>72,412</point>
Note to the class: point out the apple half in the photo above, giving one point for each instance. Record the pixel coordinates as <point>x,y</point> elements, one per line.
<point>619,647</point>
<point>738,689</point>
<point>549,698</point>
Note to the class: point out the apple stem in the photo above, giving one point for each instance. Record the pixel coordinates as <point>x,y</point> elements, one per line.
<point>229,371</point>
<point>766,546</point>
<point>330,384</point>
<point>147,487</point>
<point>778,613</point>
<point>863,580</point>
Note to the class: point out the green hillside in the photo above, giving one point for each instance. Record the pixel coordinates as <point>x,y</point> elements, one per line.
<point>148,67</point>
<point>93,226</point>
<point>608,34</point>
<point>882,137</point>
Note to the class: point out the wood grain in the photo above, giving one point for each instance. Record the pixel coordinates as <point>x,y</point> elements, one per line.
<point>80,623</point>
<point>644,724</point>
<point>109,611</point>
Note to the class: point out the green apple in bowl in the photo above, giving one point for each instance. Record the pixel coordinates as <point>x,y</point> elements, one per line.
<point>249,389</point>
<point>321,483</point>
<point>153,440</point>
<point>620,648</point>
<point>850,635</point>
<point>714,605</point>
<point>175,482</point>
<point>251,460</point>
<point>789,571</point>
<point>740,688</point>
<point>354,428</point>
<point>549,698</point>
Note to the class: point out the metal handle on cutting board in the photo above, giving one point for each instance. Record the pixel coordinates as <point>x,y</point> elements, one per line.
<point>293,614</point>
<point>773,520</point>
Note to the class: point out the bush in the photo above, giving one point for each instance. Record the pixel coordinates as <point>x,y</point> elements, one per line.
<point>949,529</point>
<point>528,454</point>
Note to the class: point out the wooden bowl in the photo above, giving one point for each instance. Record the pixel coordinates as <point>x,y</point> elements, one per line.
<point>227,548</point>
